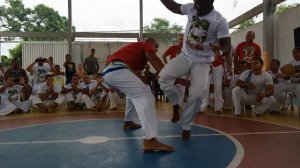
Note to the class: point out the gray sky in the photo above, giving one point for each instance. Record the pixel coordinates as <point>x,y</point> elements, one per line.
<point>120,15</point>
<point>123,15</point>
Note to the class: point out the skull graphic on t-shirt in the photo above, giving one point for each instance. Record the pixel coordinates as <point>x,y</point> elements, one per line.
<point>197,33</point>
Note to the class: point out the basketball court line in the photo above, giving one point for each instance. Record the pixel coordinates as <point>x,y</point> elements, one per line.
<point>135,138</point>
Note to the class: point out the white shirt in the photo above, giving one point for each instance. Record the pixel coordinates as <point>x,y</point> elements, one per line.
<point>39,72</point>
<point>99,91</point>
<point>202,31</point>
<point>44,89</point>
<point>70,85</point>
<point>88,86</point>
<point>279,80</point>
<point>13,94</point>
<point>260,81</point>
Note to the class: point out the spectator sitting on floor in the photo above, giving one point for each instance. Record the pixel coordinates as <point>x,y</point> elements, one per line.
<point>98,92</point>
<point>13,92</point>
<point>293,85</point>
<point>48,98</point>
<point>254,87</point>
<point>76,93</point>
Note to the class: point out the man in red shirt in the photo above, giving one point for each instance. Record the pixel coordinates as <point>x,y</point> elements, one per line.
<point>247,51</point>
<point>174,50</point>
<point>121,73</point>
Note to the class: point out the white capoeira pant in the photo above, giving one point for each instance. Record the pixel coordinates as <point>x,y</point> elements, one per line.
<point>181,93</point>
<point>216,78</point>
<point>35,88</point>
<point>36,100</point>
<point>199,73</point>
<point>114,99</point>
<point>24,106</point>
<point>240,98</point>
<point>6,107</point>
<point>138,94</point>
<point>286,86</point>
<point>227,93</point>
<point>81,98</point>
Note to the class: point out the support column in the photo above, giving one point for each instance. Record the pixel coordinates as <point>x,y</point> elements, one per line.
<point>70,37</point>
<point>268,30</point>
<point>141,38</point>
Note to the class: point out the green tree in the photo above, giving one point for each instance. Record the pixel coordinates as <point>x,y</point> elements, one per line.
<point>46,19</point>
<point>161,25</point>
<point>283,7</point>
<point>5,61</point>
<point>16,52</point>
<point>15,17</point>
<point>246,23</point>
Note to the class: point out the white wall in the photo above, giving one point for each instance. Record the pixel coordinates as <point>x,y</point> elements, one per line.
<point>285,23</point>
<point>33,50</point>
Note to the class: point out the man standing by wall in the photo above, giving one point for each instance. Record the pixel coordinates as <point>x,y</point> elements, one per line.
<point>247,51</point>
<point>90,63</point>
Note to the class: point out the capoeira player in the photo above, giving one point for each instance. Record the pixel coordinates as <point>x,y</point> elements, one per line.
<point>204,28</point>
<point>119,73</point>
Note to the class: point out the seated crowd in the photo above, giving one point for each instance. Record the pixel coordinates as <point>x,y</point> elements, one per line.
<point>50,88</point>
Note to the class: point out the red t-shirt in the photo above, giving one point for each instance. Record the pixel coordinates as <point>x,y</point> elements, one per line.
<point>173,51</point>
<point>247,52</point>
<point>134,55</point>
<point>218,60</point>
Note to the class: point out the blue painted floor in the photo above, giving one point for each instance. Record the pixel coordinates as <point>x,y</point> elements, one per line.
<point>62,145</point>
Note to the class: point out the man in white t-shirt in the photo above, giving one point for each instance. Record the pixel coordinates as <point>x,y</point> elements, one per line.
<point>39,69</point>
<point>205,28</point>
<point>293,85</point>
<point>48,98</point>
<point>83,96</point>
<point>75,92</point>
<point>98,92</point>
<point>12,97</point>
<point>254,87</point>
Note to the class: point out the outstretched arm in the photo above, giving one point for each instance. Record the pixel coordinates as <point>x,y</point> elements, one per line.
<point>225,46</point>
<point>164,57</point>
<point>155,61</point>
<point>172,6</point>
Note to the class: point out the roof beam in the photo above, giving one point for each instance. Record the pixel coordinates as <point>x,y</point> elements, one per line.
<point>33,34</point>
<point>251,13</point>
